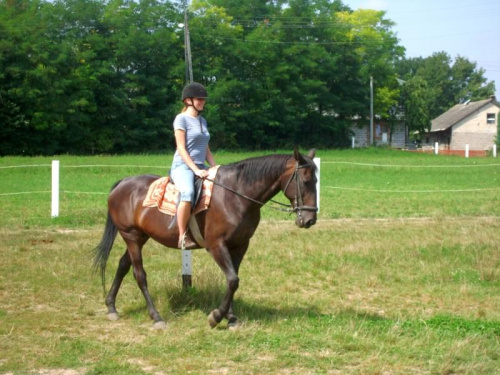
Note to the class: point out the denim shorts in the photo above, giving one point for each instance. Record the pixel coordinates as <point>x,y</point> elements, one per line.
<point>183,178</point>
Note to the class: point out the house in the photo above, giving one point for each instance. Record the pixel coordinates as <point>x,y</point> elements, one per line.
<point>382,135</point>
<point>470,123</point>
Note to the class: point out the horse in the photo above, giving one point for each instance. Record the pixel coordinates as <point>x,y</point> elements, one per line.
<point>239,192</point>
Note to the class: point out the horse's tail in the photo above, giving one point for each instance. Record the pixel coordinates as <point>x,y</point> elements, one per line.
<point>102,251</point>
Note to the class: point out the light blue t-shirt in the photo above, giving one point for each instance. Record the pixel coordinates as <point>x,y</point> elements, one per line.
<point>197,137</point>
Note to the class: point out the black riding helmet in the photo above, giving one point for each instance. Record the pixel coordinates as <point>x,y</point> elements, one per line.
<point>194,90</point>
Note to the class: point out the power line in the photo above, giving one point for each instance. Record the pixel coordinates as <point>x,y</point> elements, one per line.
<point>308,42</point>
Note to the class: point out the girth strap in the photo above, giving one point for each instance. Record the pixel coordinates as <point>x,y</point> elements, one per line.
<point>195,231</point>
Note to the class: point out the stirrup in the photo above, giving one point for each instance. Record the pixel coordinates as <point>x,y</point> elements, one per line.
<point>186,243</point>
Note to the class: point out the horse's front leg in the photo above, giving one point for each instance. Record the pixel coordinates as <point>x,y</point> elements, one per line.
<point>223,259</point>
<point>229,262</point>
<point>232,320</point>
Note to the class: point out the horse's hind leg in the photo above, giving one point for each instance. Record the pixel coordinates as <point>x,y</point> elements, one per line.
<point>134,250</point>
<point>123,268</point>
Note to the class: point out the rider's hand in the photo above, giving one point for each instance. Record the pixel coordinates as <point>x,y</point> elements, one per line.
<point>201,173</point>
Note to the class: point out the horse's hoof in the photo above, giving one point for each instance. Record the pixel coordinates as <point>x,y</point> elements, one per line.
<point>214,318</point>
<point>113,316</point>
<point>211,320</point>
<point>160,325</point>
<point>234,326</point>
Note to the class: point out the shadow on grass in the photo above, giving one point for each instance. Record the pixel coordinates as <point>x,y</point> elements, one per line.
<point>208,298</point>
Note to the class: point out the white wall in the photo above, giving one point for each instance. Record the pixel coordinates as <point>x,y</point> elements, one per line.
<point>475,131</point>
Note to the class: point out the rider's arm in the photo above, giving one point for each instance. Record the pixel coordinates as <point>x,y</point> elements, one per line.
<point>210,158</point>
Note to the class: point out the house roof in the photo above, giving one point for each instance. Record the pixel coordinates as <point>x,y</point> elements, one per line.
<point>457,113</point>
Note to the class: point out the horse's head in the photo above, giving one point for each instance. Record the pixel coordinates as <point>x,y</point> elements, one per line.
<point>299,186</point>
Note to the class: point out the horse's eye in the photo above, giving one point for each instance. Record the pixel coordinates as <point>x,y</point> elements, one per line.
<point>308,176</point>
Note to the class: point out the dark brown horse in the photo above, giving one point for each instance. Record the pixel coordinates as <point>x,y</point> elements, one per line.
<point>240,190</point>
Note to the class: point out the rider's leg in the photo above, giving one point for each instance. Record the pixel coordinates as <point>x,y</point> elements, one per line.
<point>183,214</point>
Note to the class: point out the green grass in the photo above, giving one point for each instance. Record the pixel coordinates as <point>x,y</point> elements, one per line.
<point>385,283</point>
<point>354,183</point>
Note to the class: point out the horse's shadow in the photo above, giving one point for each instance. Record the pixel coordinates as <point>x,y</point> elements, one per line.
<point>205,299</point>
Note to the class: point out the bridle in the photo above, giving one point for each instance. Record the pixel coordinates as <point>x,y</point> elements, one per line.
<point>298,201</point>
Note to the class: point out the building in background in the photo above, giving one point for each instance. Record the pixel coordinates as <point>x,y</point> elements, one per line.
<point>470,123</point>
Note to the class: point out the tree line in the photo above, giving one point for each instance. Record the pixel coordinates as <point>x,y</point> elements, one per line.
<point>90,76</point>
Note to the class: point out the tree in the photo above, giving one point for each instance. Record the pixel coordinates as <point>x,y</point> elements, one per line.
<point>32,82</point>
<point>293,74</point>
<point>86,76</point>
<point>447,82</point>
<point>417,97</point>
<point>468,82</point>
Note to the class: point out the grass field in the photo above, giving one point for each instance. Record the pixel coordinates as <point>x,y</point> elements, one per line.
<point>401,275</point>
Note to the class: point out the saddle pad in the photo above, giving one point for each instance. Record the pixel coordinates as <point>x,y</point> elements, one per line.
<point>163,194</point>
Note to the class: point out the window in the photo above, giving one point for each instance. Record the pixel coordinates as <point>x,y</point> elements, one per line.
<point>490,118</point>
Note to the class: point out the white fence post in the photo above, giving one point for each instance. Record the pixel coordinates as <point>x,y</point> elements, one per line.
<point>494,150</point>
<point>467,151</point>
<point>353,142</point>
<point>317,161</point>
<point>187,269</point>
<point>55,188</point>
<point>436,148</point>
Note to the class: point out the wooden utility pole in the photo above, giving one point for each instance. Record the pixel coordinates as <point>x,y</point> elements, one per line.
<point>186,254</point>
<point>187,47</point>
<point>371,111</point>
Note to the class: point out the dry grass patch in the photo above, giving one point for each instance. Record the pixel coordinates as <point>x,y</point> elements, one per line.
<point>346,296</point>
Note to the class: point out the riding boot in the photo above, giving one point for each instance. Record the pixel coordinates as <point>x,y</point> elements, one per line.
<point>186,243</point>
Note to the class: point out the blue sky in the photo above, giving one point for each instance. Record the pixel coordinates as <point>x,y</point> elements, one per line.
<point>458,27</point>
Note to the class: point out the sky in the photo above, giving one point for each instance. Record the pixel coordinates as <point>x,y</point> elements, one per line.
<point>467,28</point>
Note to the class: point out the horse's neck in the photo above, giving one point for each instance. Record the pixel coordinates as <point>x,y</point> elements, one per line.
<point>261,178</point>
<point>265,188</point>
<point>268,191</point>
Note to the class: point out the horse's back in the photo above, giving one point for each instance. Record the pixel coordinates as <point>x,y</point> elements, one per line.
<point>134,186</point>
<point>125,200</point>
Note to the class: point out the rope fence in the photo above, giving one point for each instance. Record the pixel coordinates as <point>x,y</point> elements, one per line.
<point>410,166</point>
<point>318,164</point>
<point>413,191</point>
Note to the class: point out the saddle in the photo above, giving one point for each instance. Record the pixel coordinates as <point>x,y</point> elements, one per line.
<point>163,194</point>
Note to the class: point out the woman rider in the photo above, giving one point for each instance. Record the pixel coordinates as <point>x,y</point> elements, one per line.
<point>191,138</point>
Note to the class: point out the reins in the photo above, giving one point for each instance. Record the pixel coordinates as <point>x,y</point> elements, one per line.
<point>289,210</point>
<point>298,196</point>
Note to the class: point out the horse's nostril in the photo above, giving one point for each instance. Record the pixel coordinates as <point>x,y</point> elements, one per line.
<point>310,223</point>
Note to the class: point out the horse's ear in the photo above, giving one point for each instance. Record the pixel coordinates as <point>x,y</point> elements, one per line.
<point>312,153</point>
<point>296,153</point>
<point>298,156</point>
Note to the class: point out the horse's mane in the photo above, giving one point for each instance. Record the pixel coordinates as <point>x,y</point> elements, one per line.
<point>253,169</point>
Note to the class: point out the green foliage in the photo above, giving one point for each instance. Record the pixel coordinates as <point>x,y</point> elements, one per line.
<point>84,76</point>
<point>418,97</point>
<point>87,76</point>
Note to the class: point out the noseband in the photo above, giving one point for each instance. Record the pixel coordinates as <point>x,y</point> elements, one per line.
<point>299,203</point>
